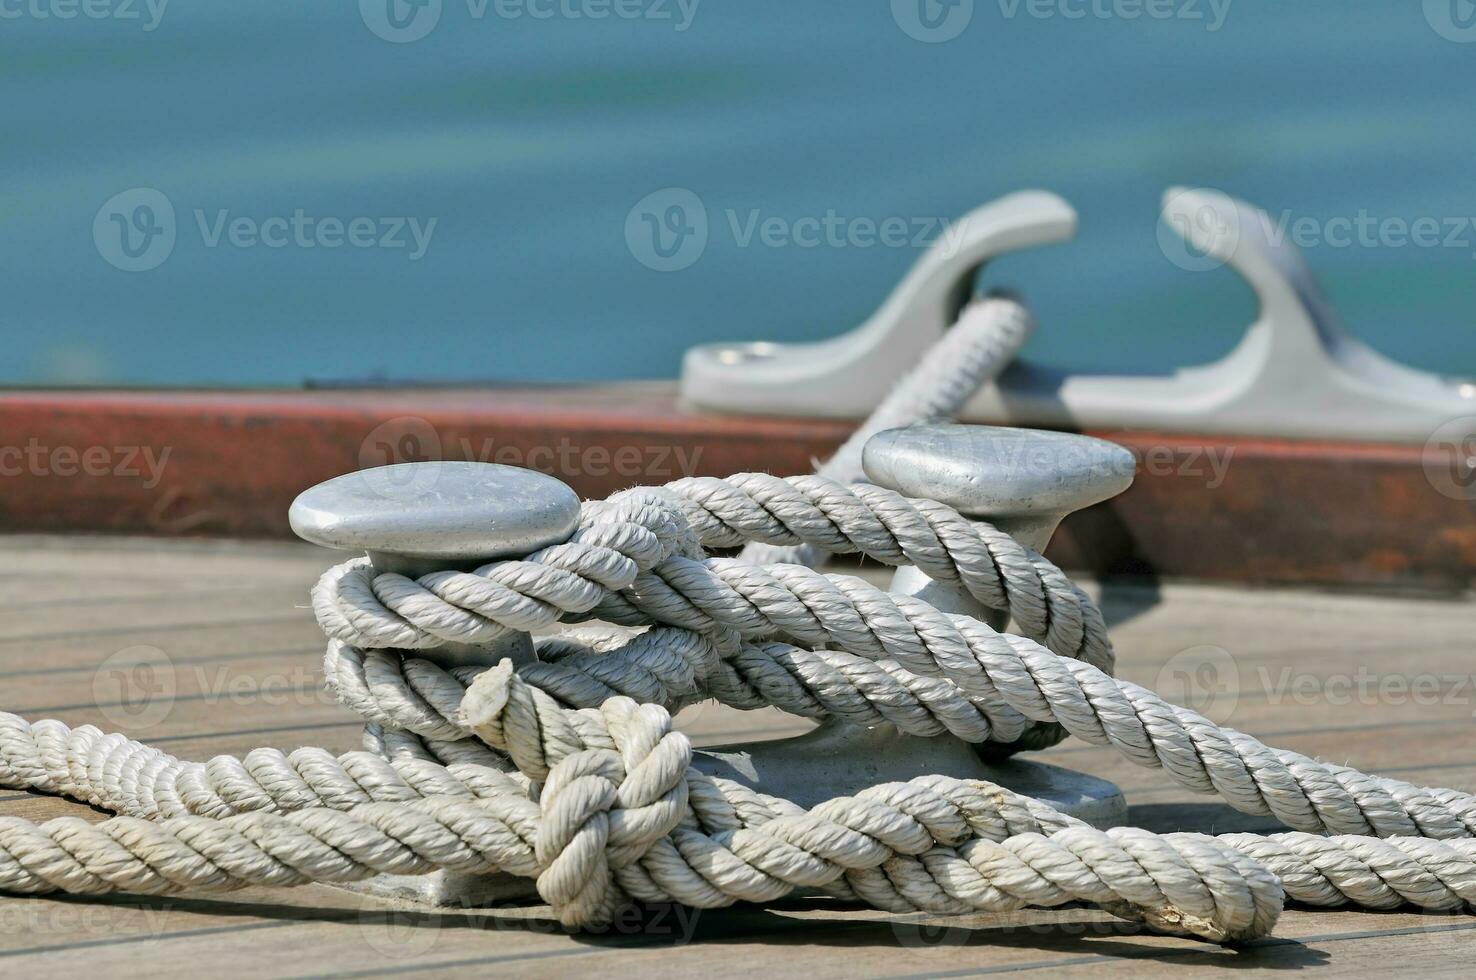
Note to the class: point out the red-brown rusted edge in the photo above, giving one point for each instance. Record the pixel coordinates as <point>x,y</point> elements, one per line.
<point>230,463</point>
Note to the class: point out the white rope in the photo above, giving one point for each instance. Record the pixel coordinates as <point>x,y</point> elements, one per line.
<point>568,770</point>
<point>983,341</point>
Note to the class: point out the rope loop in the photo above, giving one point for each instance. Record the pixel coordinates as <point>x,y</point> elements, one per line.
<point>568,770</point>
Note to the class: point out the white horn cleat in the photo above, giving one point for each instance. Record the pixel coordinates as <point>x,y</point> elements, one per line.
<point>1297,372</point>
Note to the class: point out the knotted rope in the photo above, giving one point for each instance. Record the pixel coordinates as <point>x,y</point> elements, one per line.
<point>567,770</point>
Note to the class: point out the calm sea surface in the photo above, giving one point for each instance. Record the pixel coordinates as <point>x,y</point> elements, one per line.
<point>268,193</point>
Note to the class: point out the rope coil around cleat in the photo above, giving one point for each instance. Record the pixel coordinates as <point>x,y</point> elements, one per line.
<point>567,770</point>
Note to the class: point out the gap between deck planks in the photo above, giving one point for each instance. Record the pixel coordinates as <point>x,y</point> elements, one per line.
<point>233,621</point>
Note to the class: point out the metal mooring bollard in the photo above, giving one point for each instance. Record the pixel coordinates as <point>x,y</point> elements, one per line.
<point>415,518</point>
<point>1024,482</point>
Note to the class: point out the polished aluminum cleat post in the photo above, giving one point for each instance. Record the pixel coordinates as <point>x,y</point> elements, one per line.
<point>416,518</point>
<point>1022,481</point>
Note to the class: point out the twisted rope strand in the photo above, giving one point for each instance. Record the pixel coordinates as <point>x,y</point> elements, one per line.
<point>609,563</point>
<point>988,334</point>
<point>604,805</point>
<point>1330,871</point>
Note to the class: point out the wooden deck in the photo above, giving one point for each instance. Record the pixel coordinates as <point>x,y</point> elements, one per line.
<point>1382,684</point>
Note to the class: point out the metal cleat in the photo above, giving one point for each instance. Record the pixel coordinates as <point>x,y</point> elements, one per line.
<point>1297,372</point>
<point>420,517</point>
<point>1025,482</point>
<point>849,375</point>
<point>415,518</point>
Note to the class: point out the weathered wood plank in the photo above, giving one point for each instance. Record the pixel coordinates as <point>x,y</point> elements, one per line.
<point>245,651</point>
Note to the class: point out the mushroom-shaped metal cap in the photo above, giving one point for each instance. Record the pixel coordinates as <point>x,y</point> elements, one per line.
<point>418,517</point>
<point>1025,480</point>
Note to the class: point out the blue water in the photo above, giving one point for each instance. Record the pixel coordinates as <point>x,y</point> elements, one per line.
<point>530,140</point>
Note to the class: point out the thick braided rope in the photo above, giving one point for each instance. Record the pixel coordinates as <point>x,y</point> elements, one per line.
<point>1297,790</point>
<point>118,774</point>
<point>991,668</point>
<point>887,527</point>
<point>368,610</point>
<point>617,552</point>
<point>142,856</point>
<point>355,605</point>
<point>1017,673</point>
<point>618,539</point>
<point>672,668</point>
<point>1010,672</point>
<point>983,341</point>
<point>1314,870</point>
<point>616,803</point>
<point>615,785</point>
<point>1178,882</point>
<point>481,836</point>
<point>417,696</point>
